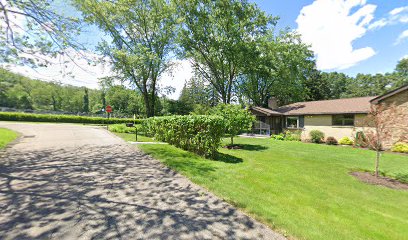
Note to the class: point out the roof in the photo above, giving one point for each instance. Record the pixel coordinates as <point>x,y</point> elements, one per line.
<point>266,111</point>
<point>335,106</point>
<point>389,94</point>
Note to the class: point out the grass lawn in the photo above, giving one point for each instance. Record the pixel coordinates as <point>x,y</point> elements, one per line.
<point>303,190</point>
<point>6,136</point>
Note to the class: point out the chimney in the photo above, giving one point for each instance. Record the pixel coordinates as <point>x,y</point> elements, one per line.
<point>273,103</point>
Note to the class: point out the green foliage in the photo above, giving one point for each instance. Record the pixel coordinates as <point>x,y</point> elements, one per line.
<point>402,177</point>
<point>29,117</point>
<point>400,147</point>
<point>142,36</point>
<point>293,135</point>
<point>346,141</point>
<point>316,136</point>
<point>288,136</point>
<point>198,134</point>
<point>33,28</point>
<point>236,118</point>
<point>218,36</point>
<point>278,137</point>
<point>121,128</point>
<point>331,141</point>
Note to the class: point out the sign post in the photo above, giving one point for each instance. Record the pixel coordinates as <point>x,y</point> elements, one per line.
<point>108,110</point>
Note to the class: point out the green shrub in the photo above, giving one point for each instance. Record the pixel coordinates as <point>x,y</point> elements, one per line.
<point>279,137</point>
<point>121,128</point>
<point>195,133</point>
<point>331,141</point>
<point>400,147</point>
<point>293,135</point>
<point>316,136</point>
<point>345,141</point>
<point>31,117</point>
<point>236,118</point>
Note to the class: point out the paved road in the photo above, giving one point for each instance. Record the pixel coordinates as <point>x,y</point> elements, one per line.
<point>65,181</point>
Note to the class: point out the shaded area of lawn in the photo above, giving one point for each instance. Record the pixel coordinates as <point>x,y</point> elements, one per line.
<point>6,136</point>
<point>302,189</point>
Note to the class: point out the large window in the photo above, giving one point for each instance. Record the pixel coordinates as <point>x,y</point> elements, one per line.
<point>292,122</point>
<point>343,120</point>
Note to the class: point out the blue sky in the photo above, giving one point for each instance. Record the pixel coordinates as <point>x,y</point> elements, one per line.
<point>382,40</point>
<point>349,36</point>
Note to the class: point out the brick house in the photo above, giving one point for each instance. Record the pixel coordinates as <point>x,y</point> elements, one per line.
<point>337,118</point>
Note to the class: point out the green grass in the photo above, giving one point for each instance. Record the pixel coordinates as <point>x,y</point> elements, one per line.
<point>6,136</point>
<point>303,190</point>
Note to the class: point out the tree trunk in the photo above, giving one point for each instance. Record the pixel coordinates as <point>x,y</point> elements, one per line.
<point>377,164</point>
<point>232,140</point>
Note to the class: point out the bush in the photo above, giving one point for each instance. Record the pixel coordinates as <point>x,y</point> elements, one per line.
<point>345,141</point>
<point>236,118</point>
<point>293,135</point>
<point>279,137</point>
<point>316,136</point>
<point>195,133</point>
<point>400,147</point>
<point>121,128</point>
<point>361,140</point>
<point>31,117</point>
<point>331,141</point>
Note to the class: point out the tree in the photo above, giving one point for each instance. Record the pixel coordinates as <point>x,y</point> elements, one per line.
<point>402,68</point>
<point>86,101</point>
<point>31,29</point>
<point>214,36</point>
<point>278,67</point>
<point>142,38</point>
<point>236,118</point>
<point>379,120</point>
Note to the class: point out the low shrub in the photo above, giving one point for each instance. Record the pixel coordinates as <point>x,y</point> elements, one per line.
<point>316,136</point>
<point>402,177</point>
<point>279,137</point>
<point>345,141</point>
<point>195,133</point>
<point>292,135</point>
<point>31,117</point>
<point>331,141</point>
<point>400,147</point>
<point>121,128</point>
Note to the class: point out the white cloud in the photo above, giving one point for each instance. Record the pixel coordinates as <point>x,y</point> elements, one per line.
<point>399,10</point>
<point>395,16</point>
<point>404,57</point>
<point>402,37</point>
<point>182,72</point>
<point>331,29</point>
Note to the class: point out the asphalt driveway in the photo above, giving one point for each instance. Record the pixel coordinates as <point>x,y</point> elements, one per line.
<point>64,181</point>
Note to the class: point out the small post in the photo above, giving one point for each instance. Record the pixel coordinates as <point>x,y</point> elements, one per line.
<point>136,132</point>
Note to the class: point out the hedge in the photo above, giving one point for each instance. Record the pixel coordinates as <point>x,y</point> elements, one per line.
<point>198,134</point>
<point>31,117</point>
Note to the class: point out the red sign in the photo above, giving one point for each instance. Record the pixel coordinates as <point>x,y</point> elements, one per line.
<point>108,109</point>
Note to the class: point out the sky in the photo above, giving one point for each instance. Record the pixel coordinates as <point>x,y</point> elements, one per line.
<point>349,36</point>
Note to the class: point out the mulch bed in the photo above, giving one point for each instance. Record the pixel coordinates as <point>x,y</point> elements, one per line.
<point>381,181</point>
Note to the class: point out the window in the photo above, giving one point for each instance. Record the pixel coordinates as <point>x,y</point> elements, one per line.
<point>292,122</point>
<point>343,120</point>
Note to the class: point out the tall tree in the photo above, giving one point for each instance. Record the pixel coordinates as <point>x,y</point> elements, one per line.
<point>279,67</point>
<point>142,34</point>
<point>214,36</point>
